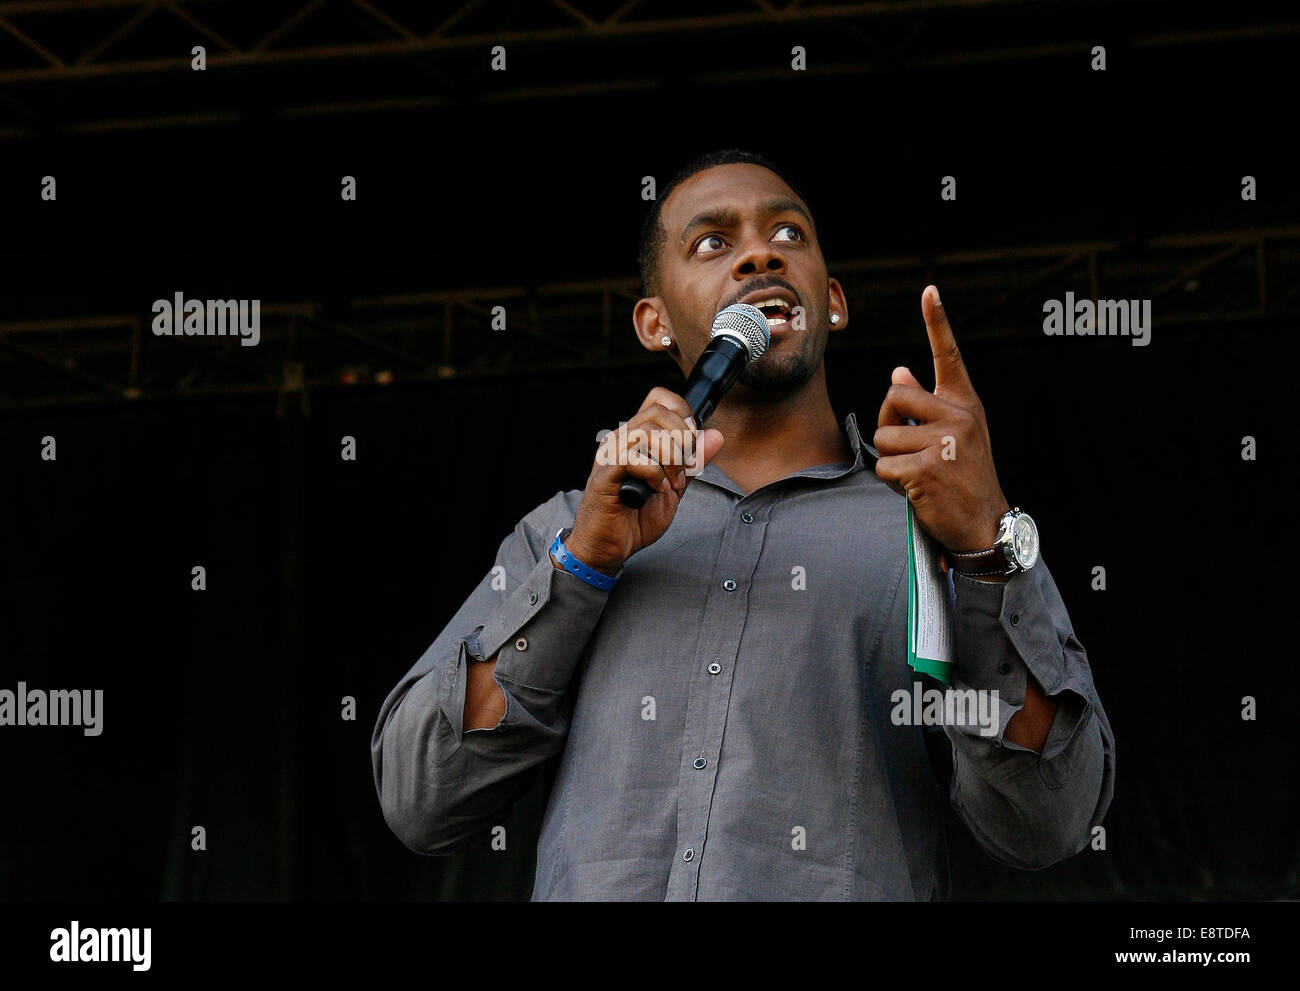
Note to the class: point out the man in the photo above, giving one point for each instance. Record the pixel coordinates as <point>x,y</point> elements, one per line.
<point>717,669</point>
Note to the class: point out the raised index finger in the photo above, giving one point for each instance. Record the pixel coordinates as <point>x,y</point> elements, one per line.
<point>949,369</point>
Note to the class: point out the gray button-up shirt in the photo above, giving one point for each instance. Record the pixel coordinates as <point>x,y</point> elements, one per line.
<point>727,715</point>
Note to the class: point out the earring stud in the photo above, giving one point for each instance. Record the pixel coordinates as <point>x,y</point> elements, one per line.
<point>666,341</point>
<point>835,318</point>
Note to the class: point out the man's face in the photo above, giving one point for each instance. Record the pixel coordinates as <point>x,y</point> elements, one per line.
<point>738,233</point>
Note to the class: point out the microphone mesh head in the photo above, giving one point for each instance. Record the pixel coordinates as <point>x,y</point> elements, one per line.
<point>747,325</point>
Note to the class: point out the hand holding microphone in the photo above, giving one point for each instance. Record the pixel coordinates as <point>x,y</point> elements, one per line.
<point>629,506</point>
<point>739,335</point>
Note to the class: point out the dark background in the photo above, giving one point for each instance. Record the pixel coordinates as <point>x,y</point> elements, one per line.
<point>329,578</point>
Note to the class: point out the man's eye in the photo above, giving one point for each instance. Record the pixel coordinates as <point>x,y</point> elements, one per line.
<point>798,234</point>
<point>704,243</point>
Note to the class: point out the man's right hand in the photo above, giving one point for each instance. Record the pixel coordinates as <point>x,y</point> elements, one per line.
<point>605,532</point>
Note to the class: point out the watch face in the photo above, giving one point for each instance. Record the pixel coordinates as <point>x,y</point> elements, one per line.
<point>1024,541</point>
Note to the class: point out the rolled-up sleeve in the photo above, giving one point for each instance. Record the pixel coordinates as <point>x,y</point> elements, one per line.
<point>1026,809</point>
<point>441,786</point>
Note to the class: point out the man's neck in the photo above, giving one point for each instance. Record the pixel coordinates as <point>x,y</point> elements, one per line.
<point>766,440</point>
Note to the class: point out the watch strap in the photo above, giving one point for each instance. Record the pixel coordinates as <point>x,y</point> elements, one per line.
<point>977,564</point>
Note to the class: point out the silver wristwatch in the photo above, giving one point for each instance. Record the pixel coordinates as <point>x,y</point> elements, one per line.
<point>1015,550</point>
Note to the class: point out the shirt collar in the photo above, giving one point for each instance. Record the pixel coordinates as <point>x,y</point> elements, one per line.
<point>861,452</point>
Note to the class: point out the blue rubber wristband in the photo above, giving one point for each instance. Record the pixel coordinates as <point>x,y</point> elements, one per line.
<point>575,567</point>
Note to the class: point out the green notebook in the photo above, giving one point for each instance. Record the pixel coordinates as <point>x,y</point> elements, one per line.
<point>930,638</point>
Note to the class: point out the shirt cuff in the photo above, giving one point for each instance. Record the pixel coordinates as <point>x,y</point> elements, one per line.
<point>540,632</point>
<point>1008,630</point>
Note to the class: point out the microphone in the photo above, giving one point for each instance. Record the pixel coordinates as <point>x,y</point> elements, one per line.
<point>739,336</point>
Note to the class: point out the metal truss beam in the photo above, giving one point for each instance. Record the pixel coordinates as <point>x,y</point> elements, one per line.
<point>398,35</point>
<point>578,27</point>
<point>444,334</point>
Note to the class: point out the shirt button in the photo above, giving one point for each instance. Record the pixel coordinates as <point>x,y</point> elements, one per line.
<point>729,585</point>
<point>715,668</point>
<point>746,518</point>
<point>688,856</point>
<point>1004,668</point>
<point>521,643</point>
<point>700,763</point>
<point>532,597</point>
<point>1015,619</point>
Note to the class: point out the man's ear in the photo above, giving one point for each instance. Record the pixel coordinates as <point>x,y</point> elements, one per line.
<point>838,305</point>
<point>651,320</point>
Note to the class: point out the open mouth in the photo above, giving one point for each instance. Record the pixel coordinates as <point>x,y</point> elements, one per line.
<point>777,312</point>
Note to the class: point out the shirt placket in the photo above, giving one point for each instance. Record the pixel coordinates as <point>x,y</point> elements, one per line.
<point>726,609</point>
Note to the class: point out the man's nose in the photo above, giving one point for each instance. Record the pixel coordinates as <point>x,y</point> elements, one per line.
<point>758,254</point>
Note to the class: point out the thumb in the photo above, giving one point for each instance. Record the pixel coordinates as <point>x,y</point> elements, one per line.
<point>904,376</point>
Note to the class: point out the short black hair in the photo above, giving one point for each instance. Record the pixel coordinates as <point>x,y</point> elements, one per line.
<point>654,237</point>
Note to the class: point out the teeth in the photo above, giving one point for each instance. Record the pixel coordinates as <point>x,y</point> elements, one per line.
<point>770,302</point>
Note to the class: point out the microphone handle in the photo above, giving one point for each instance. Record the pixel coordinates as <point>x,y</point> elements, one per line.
<point>717,368</point>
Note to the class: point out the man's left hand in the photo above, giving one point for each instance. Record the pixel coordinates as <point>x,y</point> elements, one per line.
<point>944,464</point>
